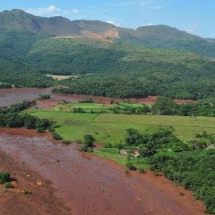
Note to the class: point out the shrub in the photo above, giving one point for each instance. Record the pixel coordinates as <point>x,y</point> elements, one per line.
<point>130,166</point>
<point>26,191</point>
<point>84,149</point>
<point>88,140</point>
<point>66,142</point>
<point>44,97</point>
<point>40,130</point>
<point>141,170</point>
<point>108,145</point>
<point>4,177</point>
<point>90,149</point>
<point>8,186</point>
<point>51,129</point>
<point>56,136</point>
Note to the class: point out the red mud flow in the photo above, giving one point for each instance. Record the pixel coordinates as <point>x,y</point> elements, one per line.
<point>93,186</point>
<point>17,95</point>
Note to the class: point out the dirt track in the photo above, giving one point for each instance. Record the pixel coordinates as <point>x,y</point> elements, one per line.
<point>89,185</point>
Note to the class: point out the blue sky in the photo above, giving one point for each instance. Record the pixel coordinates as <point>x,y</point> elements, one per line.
<point>194,16</point>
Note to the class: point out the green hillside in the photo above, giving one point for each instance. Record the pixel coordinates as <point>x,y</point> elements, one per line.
<point>106,58</point>
<point>161,36</point>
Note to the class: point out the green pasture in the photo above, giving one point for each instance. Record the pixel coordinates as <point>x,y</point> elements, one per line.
<point>87,107</point>
<point>111,128</point>
<point>96,107</point>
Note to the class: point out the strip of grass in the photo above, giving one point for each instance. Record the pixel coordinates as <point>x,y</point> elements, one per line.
<point>87,107</point>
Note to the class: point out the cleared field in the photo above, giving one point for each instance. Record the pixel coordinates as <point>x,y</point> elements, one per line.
<point>111,128</point>
<point>61,77</point>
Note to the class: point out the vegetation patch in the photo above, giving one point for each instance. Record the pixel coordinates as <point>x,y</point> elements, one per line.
<point>4,177</point>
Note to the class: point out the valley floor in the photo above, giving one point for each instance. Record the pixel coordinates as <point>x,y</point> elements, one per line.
<point>87,184</point>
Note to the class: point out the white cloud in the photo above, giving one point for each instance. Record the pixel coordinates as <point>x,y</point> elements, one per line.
<point>190,30</point>
<point>148,24</point>
<point>75,11</point>
<point>52,10</point>
<point>113,23</point>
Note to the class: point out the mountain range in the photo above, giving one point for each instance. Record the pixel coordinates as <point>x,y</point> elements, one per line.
<point>155,36</point>
<point>110,61</point>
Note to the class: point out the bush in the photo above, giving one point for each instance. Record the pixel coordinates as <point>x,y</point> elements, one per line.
<point>84,149</point>
<point>88,140</point>
<point>26,191</point>
<point>51,129</point>
<point>108,145</point>
<point>40,130</point>
<point>8,186</point>
<point>44,97</point>
<point>90,149</point>
<point>66,142</point>
<point>4,177</point>
<point>141,170</point>
<point>130,166</point>
<point>56,136</point>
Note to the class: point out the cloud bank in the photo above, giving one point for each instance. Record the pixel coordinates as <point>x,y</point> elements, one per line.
<point>52,10</point>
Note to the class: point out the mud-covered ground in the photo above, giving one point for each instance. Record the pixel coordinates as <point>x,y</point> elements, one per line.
<point>42,200</point>
<point>17,95</point>
<point>86,184</point>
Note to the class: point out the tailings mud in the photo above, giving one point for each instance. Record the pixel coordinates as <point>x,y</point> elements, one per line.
<point>93,186</point>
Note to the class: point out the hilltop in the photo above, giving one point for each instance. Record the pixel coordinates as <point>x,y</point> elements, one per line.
<point>155,36</point>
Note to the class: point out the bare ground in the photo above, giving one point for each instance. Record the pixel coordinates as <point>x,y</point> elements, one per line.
<point>42,201</point>
<point>14,96</point>
<point>87,184</point>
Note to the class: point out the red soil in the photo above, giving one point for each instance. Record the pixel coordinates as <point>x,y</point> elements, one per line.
<point>13,96</point>
<point>42,201</point>
<point>90,185</point>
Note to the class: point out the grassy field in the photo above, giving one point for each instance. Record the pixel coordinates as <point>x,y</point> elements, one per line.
<point>122,159</point>
<point>96,107</point>
<point>111,128</point>
<point>87,107</point>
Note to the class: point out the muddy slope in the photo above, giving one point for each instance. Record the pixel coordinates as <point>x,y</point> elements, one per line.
<point>93,186</point>
<point>42,201</point>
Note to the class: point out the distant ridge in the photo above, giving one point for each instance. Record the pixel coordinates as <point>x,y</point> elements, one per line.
<point>155,36</point>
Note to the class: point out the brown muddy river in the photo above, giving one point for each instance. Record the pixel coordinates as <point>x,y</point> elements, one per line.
<point>93,186</point>
<point>14,96</point>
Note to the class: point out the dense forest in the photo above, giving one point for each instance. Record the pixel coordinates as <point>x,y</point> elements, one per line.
<point>16,74</point>
<point>194,170</point>
<point>188,164</point>
<point>109,67</point>
<point>11,117</point>
<point>168,80</point>
<point>166,106</point>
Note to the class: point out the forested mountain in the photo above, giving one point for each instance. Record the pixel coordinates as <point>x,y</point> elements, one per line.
<point>56,26</point>
<point>111,61</point>
<point>161,36</point>
<point>155,36</point>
